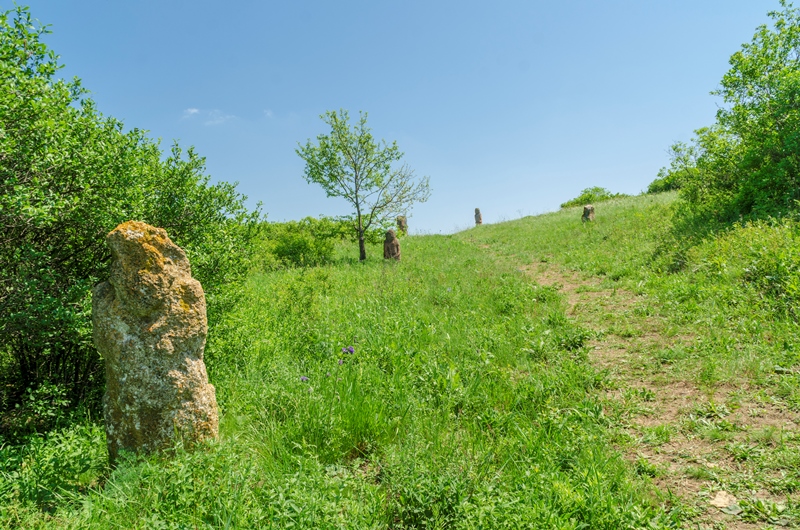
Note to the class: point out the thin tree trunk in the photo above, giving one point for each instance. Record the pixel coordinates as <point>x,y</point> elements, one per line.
<point>362,249</point>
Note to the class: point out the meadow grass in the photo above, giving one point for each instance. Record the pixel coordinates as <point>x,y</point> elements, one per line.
<point>467,402</point>
<point>736,291</point>
<point>712,315</point>
<point>470,398</point>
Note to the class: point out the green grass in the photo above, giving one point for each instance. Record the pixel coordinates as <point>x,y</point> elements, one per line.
<point>469,400</point>
<point>725,303</point>
<point>468,403</point>
<point>736,291</point>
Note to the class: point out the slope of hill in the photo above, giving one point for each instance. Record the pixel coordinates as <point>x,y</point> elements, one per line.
<point>699,340</point>
<point>537,373</point>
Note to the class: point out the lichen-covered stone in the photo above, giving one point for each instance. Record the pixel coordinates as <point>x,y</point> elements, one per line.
<point>391,246</point>
<point>402,225</point>
<point>478,217</point>
<point>588,213</point>
<point>149,324</point>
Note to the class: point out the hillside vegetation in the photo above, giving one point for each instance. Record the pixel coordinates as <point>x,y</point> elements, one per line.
<point>638,371</point>
<point>471,398</point>
<point>468,400</point>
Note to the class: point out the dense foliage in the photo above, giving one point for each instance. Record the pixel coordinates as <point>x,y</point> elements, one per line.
<point>351,164</point>
<point>591,196</point>
<point>305,243</point>
<point>682,168</point>
<point>69,175</point>
<point>748,162</point>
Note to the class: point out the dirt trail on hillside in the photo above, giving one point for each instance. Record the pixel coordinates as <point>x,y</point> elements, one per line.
<point>693,441</point>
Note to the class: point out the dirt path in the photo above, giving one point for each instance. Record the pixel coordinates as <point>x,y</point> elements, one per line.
<point>709,447</point>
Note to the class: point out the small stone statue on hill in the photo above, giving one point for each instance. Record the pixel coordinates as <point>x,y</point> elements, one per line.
<point>402,225</point>
<point>588,213</point>
<point>478,217</point>
<point>149,324</point>
<point>391,246</point>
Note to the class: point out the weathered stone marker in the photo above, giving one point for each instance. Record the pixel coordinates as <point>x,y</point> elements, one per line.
<point>149,324</point>
<point>391,246</point>
<point>588,213</point>
<point>402,225</point>
<point>478,217</point>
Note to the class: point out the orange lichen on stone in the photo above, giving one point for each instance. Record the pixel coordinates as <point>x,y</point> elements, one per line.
<point>149,323</point>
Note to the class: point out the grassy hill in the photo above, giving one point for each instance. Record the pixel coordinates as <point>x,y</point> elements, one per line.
<point>537,373</point>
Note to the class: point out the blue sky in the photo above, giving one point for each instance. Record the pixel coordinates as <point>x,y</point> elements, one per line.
<point>510,106</point>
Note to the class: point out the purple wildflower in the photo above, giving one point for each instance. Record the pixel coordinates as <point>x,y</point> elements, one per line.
<point>341,361</point>
<point>344,349</point>
<point>303,378</point>
<point>350,349</point>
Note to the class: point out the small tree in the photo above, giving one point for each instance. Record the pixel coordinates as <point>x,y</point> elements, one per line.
<point>349,163</point>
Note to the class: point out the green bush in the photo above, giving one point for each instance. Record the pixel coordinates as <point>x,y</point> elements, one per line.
<point>68,176</point>
<point>591,196</point>
<point>306,243</point>
<point>668,180</point>
<point>54,469</point>
<point>762,255</point>
<point>746,164</point>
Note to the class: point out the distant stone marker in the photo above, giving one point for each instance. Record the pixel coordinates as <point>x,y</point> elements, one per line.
<point>478,217</point>
<point>149,324</point>
<point>588,213</point>
<point>391,246</point>
<point>402,225</point>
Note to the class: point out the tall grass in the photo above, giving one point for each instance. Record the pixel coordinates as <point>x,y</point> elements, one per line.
<point>467,402</point>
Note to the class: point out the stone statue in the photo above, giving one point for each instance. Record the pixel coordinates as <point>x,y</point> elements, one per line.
<point>588,213</point>
<point>391,246</point>
<point>478,217</point>
<point>149,324</point>
<point>402,225</point>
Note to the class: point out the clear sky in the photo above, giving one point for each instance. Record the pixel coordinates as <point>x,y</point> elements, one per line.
<point>510,106</point>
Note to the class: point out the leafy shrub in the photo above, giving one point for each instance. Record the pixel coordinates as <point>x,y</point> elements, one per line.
<point>307,242</point>
<point>763,255</point>
<point>40,410</point>
<point>49,470</point>
<point>669,180</point>
<point>68,176</point>
<point>591,196</point>
<point>746,163</point>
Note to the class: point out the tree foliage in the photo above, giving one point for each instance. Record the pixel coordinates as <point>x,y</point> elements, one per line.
<point>69,175</point>
<point>592,195</point>
<point>682,167</point>
<point>349,163</point>
<point>748,162</point>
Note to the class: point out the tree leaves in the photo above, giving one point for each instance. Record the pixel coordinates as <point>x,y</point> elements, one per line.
<point>68,176</point>
<point>748,162</point>
<point>349,163</point>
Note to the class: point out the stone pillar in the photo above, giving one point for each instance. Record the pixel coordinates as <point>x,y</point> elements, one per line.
<point>391,246</point>
<point>588,213</point>
<point>478,217</point>
<point>149,324</point>
<point>402,225</point>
